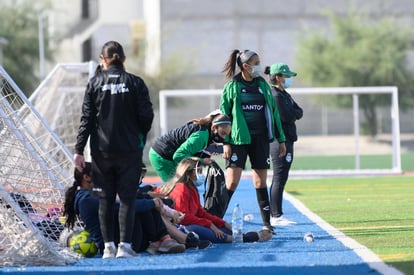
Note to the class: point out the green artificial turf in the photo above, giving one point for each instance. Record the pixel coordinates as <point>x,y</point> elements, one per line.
<point>378,212</point>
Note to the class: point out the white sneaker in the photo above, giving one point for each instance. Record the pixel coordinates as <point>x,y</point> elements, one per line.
<point>109,252</point>
<point>125,252</point>
<point>281,221</point>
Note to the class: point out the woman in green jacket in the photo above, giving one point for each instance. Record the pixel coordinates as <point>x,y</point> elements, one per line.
<point>187,140</point>
<point>247,99</point>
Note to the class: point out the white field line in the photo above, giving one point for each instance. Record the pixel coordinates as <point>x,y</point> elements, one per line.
<point>366,254</point>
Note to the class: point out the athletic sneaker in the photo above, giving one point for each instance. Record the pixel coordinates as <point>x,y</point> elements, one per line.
<point>125,252</point>
<point>109,252</point>
<point>152,248</point>
<point>193,242</point>
<point>264,235</point>
<point>281,221</point>
<point>202,244</point>
<point>171,246</point>
<point>257,236</point>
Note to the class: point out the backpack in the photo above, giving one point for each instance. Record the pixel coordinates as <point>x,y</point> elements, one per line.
<point>216,198</point>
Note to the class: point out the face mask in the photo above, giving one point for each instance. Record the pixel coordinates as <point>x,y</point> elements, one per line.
<point>256,71</point>
<point>217,138</point>
<point>288,83</point>
<point>200,180</point>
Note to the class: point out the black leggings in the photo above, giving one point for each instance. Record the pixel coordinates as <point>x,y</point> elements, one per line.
<point>281,167</point>
<point>116,175</point>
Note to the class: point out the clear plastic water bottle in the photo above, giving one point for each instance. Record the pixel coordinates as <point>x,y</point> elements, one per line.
<point>237,224</point>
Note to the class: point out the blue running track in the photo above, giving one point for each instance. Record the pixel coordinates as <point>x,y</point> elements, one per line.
<point>286,253</point>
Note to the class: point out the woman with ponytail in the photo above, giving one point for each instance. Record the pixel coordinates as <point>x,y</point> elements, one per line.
<point>116,115</point>
<point>247,99</point>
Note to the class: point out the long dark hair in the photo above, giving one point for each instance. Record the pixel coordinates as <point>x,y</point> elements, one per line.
<point>113,52</point>
<point>236,57</point>
<point>68,205</point>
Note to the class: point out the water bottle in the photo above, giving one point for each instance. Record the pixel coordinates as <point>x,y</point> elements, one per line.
<point>237,224</point>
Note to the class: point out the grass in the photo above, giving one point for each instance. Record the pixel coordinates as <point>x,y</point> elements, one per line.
<point>375,211</point>
<point>348,162</point>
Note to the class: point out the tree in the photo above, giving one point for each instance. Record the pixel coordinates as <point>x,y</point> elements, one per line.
<point>19,25</point>
<point>360,52</point>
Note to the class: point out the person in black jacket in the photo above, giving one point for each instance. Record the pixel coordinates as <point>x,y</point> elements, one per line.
<point>280,77</point>
<point>116,114</point>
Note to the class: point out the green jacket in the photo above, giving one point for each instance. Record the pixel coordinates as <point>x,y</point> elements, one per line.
<point>230,104</point>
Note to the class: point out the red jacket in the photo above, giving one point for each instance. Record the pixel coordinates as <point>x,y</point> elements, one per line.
<point>187,200</point>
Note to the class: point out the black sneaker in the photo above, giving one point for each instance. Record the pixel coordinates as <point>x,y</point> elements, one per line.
<point>202,244</point>
<point>191,240</point>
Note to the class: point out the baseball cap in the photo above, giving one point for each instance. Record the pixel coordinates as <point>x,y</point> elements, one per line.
<point>281,68</point>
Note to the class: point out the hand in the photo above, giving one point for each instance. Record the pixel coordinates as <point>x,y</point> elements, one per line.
<point>282,150</point>
<point>226,151</point>
<point>219,234</point>
<point>79,162</point>
<point>177,217</point>
<point>158,204</point>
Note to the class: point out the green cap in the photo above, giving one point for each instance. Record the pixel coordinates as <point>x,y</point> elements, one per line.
<point>281,68</point>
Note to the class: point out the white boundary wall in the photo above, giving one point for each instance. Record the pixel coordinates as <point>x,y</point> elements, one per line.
<point>164,95</point>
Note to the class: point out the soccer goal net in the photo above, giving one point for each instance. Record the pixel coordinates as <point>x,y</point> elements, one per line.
<point>331,140</point>
<point>59,97</point>
<point>35,169</point>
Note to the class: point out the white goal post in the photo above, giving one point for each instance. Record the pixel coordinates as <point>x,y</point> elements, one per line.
<point>193,95</point>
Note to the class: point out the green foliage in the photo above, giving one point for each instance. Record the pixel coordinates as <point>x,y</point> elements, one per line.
<point>19,25</point>
<point>359,52</point>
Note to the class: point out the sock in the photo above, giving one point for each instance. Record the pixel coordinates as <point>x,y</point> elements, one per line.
<point>263,201</point>
<point>165,238</point>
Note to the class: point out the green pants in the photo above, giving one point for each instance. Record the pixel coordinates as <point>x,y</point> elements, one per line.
<point>165,168</point>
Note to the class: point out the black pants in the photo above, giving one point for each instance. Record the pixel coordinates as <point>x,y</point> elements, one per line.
<point>281,167</point>
<point>152,229</point>
<point>116,175</point>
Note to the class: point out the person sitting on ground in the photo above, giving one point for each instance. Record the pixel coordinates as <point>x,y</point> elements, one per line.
<point>183,190</point>
<point>148,227</point>
<point>171,218</point>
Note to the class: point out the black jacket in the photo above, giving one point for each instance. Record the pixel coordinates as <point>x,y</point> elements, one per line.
<point>289,112</point>
<point>117,113</point>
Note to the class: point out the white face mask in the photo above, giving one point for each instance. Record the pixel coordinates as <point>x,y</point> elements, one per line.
<point>288,83</point>
<point>200,179</point>
<point>257,70</point>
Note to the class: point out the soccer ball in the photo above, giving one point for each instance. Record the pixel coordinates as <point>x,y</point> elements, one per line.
<point>83,244</point>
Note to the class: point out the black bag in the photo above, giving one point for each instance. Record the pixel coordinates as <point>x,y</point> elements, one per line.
<point>216,198</point>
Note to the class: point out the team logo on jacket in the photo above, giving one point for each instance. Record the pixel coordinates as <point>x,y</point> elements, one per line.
<point>115,88</point>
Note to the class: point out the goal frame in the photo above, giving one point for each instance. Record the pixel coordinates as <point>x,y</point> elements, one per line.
<point>164,95</point>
